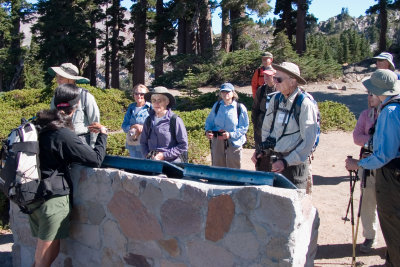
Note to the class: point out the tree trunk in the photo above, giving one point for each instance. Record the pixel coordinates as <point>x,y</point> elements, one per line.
<point>191,35</point>
<point>237,14</point>
<point>181,36</point>
<point>287,17</point>
<point>159,57</point>
<point>205,31</point>
<point>107,59</point>
<point>93,54</point>
<point>225,33</point>
<point>114,45</point>
<point>383,21</point>
<point>16,52</point>
<point>300,27</point>
<point>140,44</point>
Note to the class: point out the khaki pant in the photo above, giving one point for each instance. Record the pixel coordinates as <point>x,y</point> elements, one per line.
<point>224,154</point>
<point>368,208</point>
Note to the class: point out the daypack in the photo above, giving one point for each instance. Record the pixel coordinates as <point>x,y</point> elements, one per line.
<point>19,169</point>
<point>172,129</point>
<point>296,108</point>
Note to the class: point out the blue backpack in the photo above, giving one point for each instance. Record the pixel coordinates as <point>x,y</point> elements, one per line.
<point>296,108</point>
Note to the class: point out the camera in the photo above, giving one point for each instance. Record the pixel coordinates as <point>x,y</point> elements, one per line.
<point>269,143</point>
<point>151,154</point>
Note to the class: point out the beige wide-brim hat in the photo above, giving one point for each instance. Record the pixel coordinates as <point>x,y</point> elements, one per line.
<point>383,82</point>
<point>290,69</point>
<point>386,56</point>
<point>68,71</point>
<point>163,91</point>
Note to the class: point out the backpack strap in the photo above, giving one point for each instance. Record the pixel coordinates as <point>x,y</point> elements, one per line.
<point>147,122</point>
<point>238,109</point>
<point>393,100</point>
<point>172,126</point>
<point>290,114</point>
<point>276,106</point>
<point>84,98</point>
<point>299,100</point>
<point>217,107</point>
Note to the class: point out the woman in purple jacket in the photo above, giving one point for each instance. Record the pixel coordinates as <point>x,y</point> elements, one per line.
<point>157,140</point>
<point>361,137</point>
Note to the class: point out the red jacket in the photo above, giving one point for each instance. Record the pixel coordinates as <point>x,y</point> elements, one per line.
<point>257,80</point>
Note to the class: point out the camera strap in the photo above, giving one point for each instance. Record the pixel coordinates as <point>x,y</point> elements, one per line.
<point>287,116</point>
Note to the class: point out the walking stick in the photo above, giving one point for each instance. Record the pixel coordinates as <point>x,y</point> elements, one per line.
<point>352,186</point>
<point>363,184</point>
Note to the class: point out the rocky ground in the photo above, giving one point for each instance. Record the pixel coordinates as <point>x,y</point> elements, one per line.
<point>331,185</point>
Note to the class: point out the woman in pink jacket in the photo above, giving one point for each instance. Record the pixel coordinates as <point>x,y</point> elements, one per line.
<point>361,137</point>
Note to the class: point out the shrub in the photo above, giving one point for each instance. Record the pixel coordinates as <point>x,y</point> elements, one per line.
<point>336,116</point>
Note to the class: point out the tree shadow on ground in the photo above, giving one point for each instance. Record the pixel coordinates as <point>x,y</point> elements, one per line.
<point>355,102</point>
<point>5,256</point>
<point>333,251</point>
<point>321,180</point>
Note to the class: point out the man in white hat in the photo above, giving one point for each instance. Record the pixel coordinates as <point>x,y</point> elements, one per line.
<point>88,111</point>
<point>385,159</point>
<point>289,143</point>
<point>258,77</point>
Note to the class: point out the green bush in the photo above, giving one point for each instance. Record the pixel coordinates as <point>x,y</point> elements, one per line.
<point>336,116</point>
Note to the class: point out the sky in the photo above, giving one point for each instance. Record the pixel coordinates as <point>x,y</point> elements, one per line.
<point>322,9</point>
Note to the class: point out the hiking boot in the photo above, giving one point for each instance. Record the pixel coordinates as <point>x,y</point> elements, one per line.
<point>367,246</point>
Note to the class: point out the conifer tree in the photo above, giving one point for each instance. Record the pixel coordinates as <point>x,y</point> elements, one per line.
<point>381,8</point>
<point>139,16</point>
<point>62,32</point>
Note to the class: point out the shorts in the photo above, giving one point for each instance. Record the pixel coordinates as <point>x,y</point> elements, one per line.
<point>51,221</point>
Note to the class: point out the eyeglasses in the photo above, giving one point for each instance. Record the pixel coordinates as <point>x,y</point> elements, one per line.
<point>158,101</point>
<point>139,94</point>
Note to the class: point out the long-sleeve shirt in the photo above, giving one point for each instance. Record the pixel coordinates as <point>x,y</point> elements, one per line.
<point>131,118</point>
<point>86,113</point>
<point>386,139</point>
<point>258,109</point>
<point>227,119</point>
<point>364,123</point>
<point>159,137</point>
<point>299,138</point>
<point>61,147</point>
<point>257,80</point>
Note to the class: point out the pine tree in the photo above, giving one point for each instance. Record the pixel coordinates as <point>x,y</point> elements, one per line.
<point>67,37</point>
<point>139,16</point>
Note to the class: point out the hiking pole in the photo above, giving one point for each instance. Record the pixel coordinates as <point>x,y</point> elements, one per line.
<point>352,186</point>
<point>363,184</point>
<point>353,261</point>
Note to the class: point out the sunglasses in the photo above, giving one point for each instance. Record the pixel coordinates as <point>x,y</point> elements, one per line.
<point>278,79</point>
<point>139,94</point>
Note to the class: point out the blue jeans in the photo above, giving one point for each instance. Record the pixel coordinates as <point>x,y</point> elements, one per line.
<point>135,151</point>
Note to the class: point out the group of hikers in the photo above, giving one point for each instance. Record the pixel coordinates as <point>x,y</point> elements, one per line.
<point>286,130</point>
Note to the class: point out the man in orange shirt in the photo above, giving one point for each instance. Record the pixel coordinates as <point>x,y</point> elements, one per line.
<point>258,77</point>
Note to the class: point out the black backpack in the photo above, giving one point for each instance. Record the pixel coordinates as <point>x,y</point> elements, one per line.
<point>19,170</point>
<point>172,129</point>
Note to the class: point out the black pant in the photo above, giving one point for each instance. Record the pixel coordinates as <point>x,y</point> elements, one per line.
<point>388,205</point>
<point>297,174</point>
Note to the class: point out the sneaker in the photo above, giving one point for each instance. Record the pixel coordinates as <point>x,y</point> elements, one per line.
<point>367,246</point>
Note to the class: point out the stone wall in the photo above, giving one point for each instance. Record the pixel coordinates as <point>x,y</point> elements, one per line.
<point>125,219</point>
